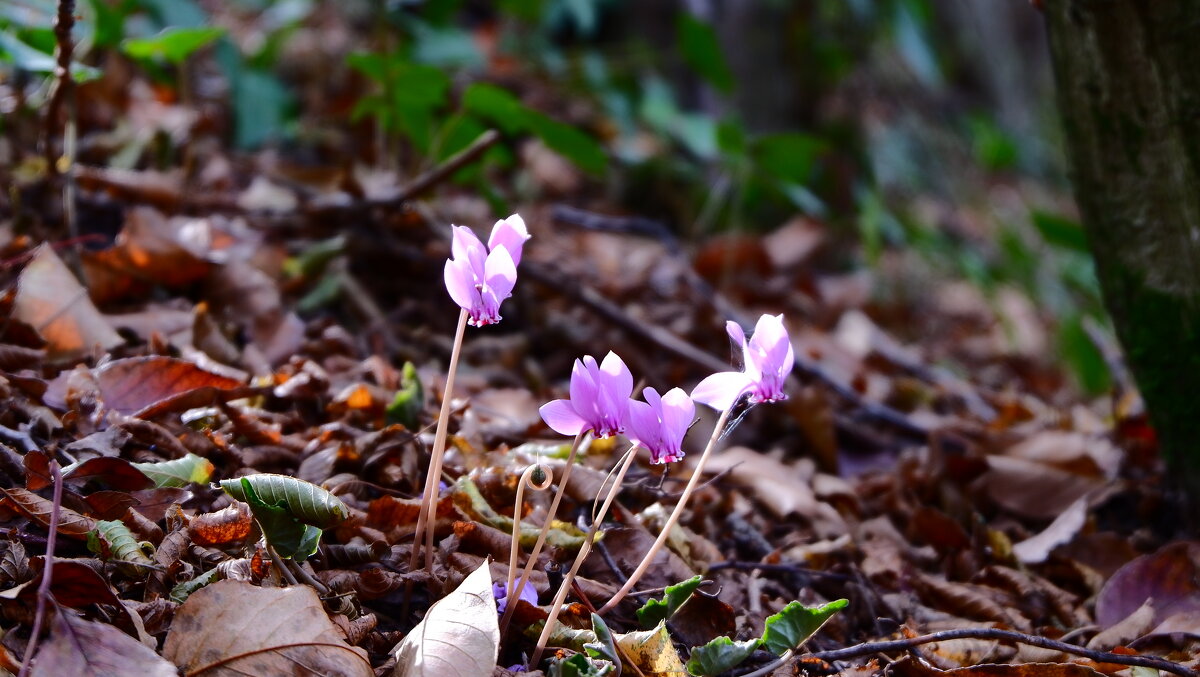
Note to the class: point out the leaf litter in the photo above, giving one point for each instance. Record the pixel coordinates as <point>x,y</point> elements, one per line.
<point>229,336</point>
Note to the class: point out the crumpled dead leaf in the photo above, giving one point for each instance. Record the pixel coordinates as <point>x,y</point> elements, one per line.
<point>1037,548</point>
<point>85,648</point>
<point>52,301</point>
<point>459,636</point>
<point>235,628</point>
<point>652,652</point>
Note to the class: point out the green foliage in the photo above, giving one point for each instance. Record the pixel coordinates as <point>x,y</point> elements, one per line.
<point>580,665</point>
<point>1060,231</point>
<point>795,623</point>
<point>113,541</point>
<point>173,44</point>
<point>410,94</point>
<point>699,46</point>
<point>605,647</point>
<point>654,611</point>
<point>183,589</point>
<point>290,537</point>
<point>302,500</point>
<point>720,655</point>
<point>179,472</point>
<point>409,401</point>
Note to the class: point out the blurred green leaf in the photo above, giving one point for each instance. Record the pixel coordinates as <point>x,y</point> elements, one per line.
<point>1086,360</point>
<point>700,48</point>
<point>409,401</point>
<point>173,44</point>
<point>27,58</point>
<point>795,623</point>
<point>1060,231</point>
<point>497,105</point>
<point>719,655</point>
<point>581,149</point>
<point>182,13</point>
<point>788,156</point>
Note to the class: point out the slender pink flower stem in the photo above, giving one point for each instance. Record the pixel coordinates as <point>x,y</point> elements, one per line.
<point>427,517</point>
<point>44,594</point>
<point>526,480</point>
<point>515,594</point>
<point>672,519</point>
<point>597,520</point>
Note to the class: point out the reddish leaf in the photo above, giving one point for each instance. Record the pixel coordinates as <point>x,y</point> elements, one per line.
<point>109,505</point>
<point>115,472</point>
<point>36,508</point>
<point>52,301</point>
<point>153,503</point>
<point>228,525</point>
<point>79,647</point>
<point>37,471</point>
<point>148,251</point>
<point>1169,577</point>
<point>138,383</point>
<point>73,584</point>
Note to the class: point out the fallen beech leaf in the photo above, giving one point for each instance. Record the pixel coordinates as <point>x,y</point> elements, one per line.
<point>73,584</point>
<point>304,501</point>
<point>1032,489</point>
<point>52,301</point>
<point>228,525</point>
<point>178,472</point>
<point>149,250</point>
<point>135,383</point>
<point>459,636</point>
<point>1168,576</point>
<point>80,647</point>
<point>235,628</point>
<point>36,508</point>
<point>652,652</point>
<point>117,473</point>
<point>1064,527</point>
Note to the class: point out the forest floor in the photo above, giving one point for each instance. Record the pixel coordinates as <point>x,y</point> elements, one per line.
<point>229,314</point>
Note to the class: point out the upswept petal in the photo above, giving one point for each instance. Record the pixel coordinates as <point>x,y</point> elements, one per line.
<point>500,273</point>
<point>735,332</point>
<point>722,389</point>
<point>461,284</point>
<point>771,341</point>
<point>562,418</point>
<point>466,246</point>
<point>511,234</point>
<point>615,376</point>
<point>643,424</point>
<point>678,412</point>
<point>584,389</point>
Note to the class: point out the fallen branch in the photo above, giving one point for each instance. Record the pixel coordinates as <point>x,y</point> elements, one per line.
<point>868,648</point>
<point>447,169</point>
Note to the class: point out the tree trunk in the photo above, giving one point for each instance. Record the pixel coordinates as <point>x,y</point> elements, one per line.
<point>1128,76</point>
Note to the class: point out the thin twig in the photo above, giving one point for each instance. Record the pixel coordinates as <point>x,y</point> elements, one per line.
<point>447,169</point>
<point>783,568</point>
<point>868,648</point>
<point>63,24</point>
<point>44,594</point>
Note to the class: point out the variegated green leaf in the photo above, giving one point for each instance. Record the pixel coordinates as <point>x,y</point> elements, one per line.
<point>305,501</point>
<point>114,539</point>
<point>179,472</point>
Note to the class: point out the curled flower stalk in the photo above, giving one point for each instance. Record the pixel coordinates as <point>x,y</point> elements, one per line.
<point>534,476</point>
<point>659,424</point>
<point>769,359</point>
<point>478,279</point>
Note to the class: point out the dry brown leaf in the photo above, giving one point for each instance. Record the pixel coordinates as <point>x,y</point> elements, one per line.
<point>38,509</point>
<point>1037,548</point>
<point>148,251</point>
<point>1170,577</point>
<point>235,628</point>
<point>231,524</point>
<point>134,384</point>
<point>652,652</point>
<point>1032,489</point>
<point>52,301</point>
<point>87,648</point>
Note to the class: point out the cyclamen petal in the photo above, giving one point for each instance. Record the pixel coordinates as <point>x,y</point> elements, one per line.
<point>479,280</point>
<point>599,399</point>
<point>768,358</point>
<point>660,423</point>
<point>511,234</point>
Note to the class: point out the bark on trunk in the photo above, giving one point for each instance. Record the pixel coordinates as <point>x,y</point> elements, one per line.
<point>1128,76</point>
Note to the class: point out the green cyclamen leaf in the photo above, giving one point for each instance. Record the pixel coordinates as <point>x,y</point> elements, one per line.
<point>580,666</point>
<point>287,535</point>
<point>720,655</point>
<point>700,47</point>
<point>179,472</point>
<point>656,610</point>
<point>180,592</point>
<point>304,501</point>
<point>409,401</point>
<point>795,623</point>
<point>605,646</point>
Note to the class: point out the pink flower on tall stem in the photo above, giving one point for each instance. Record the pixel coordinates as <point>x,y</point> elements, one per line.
<point>768,358</point>
<point>478,279</point>
<point>599,399</point>
<point>660,423</point>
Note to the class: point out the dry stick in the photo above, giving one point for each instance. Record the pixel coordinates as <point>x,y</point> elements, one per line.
<point>63,24</point>
<point>526,479</point>
<point>47,570</point>
<point>425,521</point>
<point>674,517</point>
<point>868,648</point>
<point>515,594</point>
<point>452,164</point>
<point>597,520</point>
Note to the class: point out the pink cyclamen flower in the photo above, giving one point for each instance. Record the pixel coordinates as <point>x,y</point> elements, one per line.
<point>599,399</point>
<point>479,280</point>
<point>660,423</point>
<point>768,358</point>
